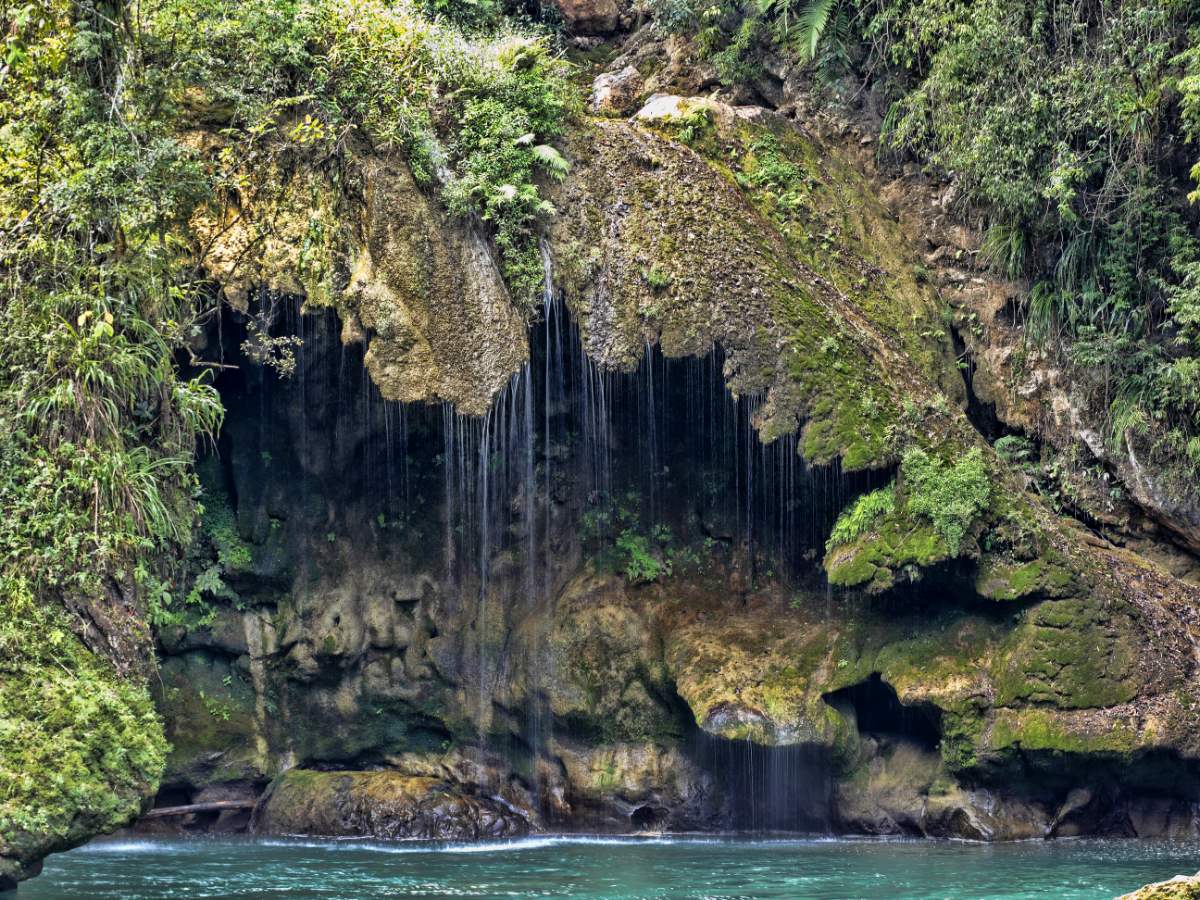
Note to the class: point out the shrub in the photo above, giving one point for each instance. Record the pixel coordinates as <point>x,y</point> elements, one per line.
<point>641,561</point>
<point>951,497</point>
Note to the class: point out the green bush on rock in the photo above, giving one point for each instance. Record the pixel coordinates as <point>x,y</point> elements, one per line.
<point>951,497</point>
<point>859,518</point>
<point>918,522</point>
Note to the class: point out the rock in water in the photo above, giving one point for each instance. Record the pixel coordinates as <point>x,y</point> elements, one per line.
<point>385,804</point>
<point>1181,887</point>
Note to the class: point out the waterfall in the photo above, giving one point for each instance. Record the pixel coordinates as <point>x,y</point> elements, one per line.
<point>664,451</point>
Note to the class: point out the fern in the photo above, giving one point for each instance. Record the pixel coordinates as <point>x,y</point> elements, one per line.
<point>811,25</point>
<point>553,162</point>
<point>800,24</point>
<point>862,515</point>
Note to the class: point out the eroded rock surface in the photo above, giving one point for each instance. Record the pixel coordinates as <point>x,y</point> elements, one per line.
<point>1040,682</point>
<point>384,804</point>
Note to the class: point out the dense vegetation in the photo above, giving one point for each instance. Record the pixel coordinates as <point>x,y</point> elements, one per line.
<point>99,429</point>
<point>1073,128</point>
<point>102,397</point>
<point>472,116</point>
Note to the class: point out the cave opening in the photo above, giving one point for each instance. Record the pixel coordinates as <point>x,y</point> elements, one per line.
<point>786,788</point>
<point>647,818</point>
<point>644,473</point>
<point>877,710</point>
<point>663,457</point>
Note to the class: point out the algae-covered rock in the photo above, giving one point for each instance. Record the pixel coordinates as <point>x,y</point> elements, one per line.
<point>215,732</point>
<point>81,747</point>
<point>384,804</point>
<point>1181,887</point>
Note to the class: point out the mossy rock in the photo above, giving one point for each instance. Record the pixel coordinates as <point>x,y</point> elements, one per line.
<point>1045,730</point>
<point>1074,653</point>
<point>1181,887</point>
<point>208,706</point>
<point>1002,579</point>
<point>385,804</point>
<point>874,559</point>
<point>81,747</point>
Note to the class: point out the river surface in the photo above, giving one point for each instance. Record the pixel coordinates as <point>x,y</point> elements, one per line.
<point>610,868</point>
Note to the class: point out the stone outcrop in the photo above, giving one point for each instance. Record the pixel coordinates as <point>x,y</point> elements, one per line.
<point>616,93</point>
<point>591,17</point>
<point>1181,887</point>
<point>1039,683</point>
<point>420,288</point>
<point>385,804</point>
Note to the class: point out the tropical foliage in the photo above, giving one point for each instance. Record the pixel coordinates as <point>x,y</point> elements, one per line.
<point>109,115</point>
<point>1073,130</point>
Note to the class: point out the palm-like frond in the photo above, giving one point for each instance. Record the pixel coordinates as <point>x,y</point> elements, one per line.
<point>811,23</point>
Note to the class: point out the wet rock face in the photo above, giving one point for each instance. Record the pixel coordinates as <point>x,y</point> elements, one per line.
<point>633,787</point>
<point>419,289</point>
<point>385,804</point>
<point>439,320</point>
<point>360,637</point>
<point>613,596</point>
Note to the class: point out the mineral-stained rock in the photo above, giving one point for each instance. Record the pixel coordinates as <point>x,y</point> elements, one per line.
<point>616,93</point>
<point>419,286</point>
<point>385,804</point>
<point>635,787</point>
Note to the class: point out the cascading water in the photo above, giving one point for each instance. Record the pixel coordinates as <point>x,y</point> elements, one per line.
<point>570,462</point>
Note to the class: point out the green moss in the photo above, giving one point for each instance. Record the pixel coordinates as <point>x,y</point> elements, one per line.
<point>1041,729</point>
<point>961,735</point>
<point>81,748</point>
<point>209,713</point>
<point>875,557</point>
<point>1000,579</point>
<point>1072,653</point>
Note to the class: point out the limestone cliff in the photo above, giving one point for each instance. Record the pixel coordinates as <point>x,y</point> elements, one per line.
<point>594,618</point>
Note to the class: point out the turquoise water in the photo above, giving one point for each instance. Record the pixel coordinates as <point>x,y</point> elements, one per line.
<point>608,868</point>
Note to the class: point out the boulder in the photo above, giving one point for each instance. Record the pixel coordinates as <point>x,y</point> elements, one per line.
<point>590,16</point>
<point>1181,887</point>
<point>616,93</point>
<point>385,804</point>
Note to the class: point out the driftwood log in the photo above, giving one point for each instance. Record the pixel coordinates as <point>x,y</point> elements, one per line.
<point>212,806</point>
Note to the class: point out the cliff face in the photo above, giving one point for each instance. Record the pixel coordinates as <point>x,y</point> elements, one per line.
<point>715,537</point>
<point>564,600</point>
